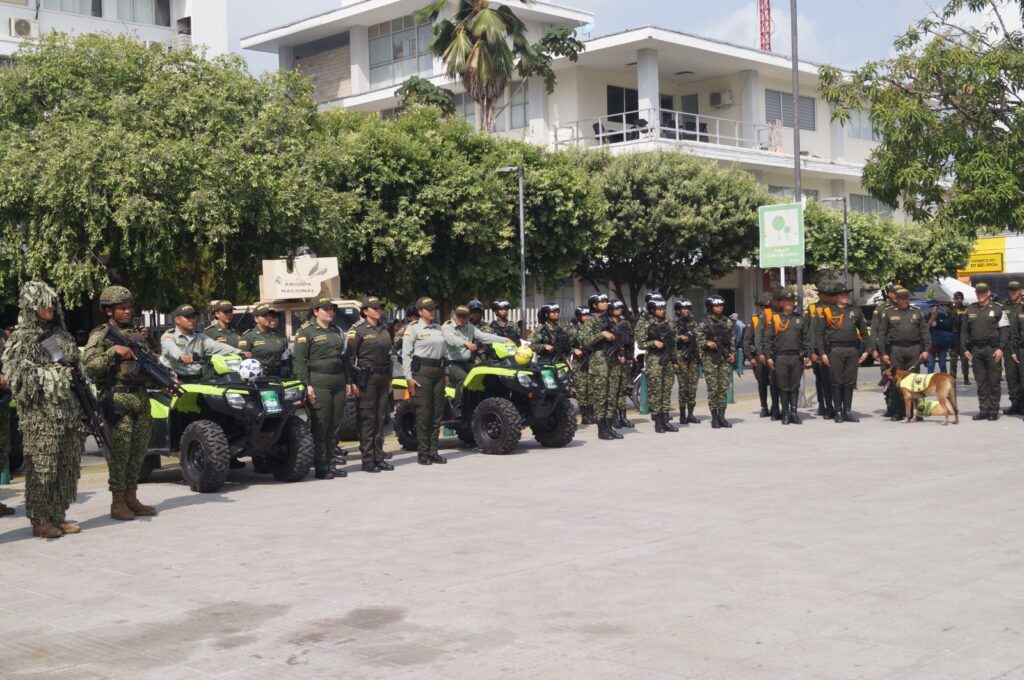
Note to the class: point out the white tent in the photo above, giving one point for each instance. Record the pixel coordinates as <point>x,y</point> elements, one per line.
<point>940,291</point>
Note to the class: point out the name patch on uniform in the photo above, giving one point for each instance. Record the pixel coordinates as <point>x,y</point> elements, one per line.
<point>258,343</point>
<point>301,339</point>
<point>319,338</point>
<point>894,318</point>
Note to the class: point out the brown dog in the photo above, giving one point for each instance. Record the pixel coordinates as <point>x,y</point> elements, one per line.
<point>942,385</point>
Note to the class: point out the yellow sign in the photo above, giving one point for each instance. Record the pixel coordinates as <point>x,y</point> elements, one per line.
<point>987,256</point>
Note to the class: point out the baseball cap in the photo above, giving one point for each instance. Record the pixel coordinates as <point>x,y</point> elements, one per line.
<point>462,310</point>
<point>221,306</point>
<point>374,302</point>
<point>787,295</point>
<point>902,292</point>
<point>1013,285</point>
<point>262,309</point>
<point>323,302</point>
<point>982,288</point>
<point>426,303</point>
<point>184,310</point>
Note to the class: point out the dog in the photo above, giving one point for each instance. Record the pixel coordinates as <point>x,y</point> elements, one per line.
<point>941,385</point>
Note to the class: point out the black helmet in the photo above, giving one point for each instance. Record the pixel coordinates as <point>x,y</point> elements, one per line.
<point>501,303</point>
<point>651,295</point>
<point>656,303</point>
<point>652,300</point>
<point>547,308</point>
<point>476,306</point>
<point>684,303</point>
<point>616,304</point>
<point>410,311</point>
<point>594,299</point>
<point>582,312</point>
<point>714,300</point>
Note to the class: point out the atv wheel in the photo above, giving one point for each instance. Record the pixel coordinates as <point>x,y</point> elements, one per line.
<point>559,428</point>
<point>405,425</point>
<point>205,458</point>
<point>497,425</point>
<point>349,430</point>
<point>296,454</point>
<point>149,463</point>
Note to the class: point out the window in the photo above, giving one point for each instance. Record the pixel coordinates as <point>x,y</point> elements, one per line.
<point>157,12</point>
<point>623,100</point>
<point>666,102</point>
<point>23,3</point>
<point>860,126</point>
<point>465,108</point>
<point>519,109</point>
<point>779,106</point>
<point>869,204</point>
<point>810,194</point>
<point>88,7</point>
<point>398,49</point>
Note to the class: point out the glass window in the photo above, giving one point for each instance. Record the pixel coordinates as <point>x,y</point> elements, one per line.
<point>499,107</point>
<point>157,12</point>
<point>398,49</point>
<point>779,106</point>
<point>88,7</point>
<point>869,204</point>
<point>465,108</point>
<point>623,100</point>
<point>520,104</point>
<point>787,192</point>
<point>860,126</point>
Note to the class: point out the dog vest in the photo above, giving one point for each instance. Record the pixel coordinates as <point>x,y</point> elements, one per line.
<point>917,382</point>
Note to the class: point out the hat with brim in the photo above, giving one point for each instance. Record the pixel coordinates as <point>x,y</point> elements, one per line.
<point>184,310</point>
<point>838,288</point>
<point>323,303</point>
<point>262,309</point>
<point>982,288</point>
<point>426,303</point>
<point>462,310</point>
<point>1013,285</point>
<point>902,292</point>
<point>373,302</point>
<point>222,306</point>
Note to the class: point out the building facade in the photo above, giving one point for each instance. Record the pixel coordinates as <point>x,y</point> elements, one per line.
<point>639,90</point>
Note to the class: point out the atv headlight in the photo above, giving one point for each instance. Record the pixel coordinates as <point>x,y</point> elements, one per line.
<point>525,379</point>
<point>291,394</point>
<point>235,400</point>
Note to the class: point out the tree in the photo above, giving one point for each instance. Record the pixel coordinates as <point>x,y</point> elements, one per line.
<point>947,108</point>
<point>483,46</point>
<point>427,215</point>
<point>164,171</point>
<point>416,90</point>
<point>676,221</point>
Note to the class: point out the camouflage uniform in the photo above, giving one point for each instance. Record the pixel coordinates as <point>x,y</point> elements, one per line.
<point>622,373</point>
<point>5,427</point>
<point>599,372</point>
<point>659,365</point>
<point>581,384</point>
<point>717,329</point>
<point>688,369</point>
<point>49,413</point>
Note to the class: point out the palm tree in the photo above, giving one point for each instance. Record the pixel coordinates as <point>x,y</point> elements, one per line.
<point>474,46</point>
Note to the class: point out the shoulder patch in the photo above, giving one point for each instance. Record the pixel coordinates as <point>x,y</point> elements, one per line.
<point>301,339</point>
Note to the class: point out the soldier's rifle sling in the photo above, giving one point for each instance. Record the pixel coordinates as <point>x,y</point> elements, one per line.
<point>145,362</point>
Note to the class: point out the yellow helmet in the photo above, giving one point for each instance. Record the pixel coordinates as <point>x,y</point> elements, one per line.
<point>524,355</point>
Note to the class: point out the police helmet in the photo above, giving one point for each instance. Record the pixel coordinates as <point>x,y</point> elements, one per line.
<point>475,306</point>
<point>652,295</point>
<point>656,303</point>
<point>501,303</point>
<point>684,303</point>
<point>582,312</point>
<point>616,304</point>
<point>596,298</point>
<point>712,301</point>
<point>547,308</point>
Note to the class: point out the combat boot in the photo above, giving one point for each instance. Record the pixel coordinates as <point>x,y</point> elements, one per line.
<point>138,509</point>
<point>659,423</point>
<point>424,459</point>
<point>837,399</point>
<point>604,431</point>
<point>119,509</point>
<point>46,530</point>
<point>1014,409</point>
<point>848,405</point>
<point>5,510</point>
<point>682,415</point>
<point>621,422</point>
<point>715,424</point>
<point>666,420</point>
<point>721,418</point>
<point>784,399</point>
<point>776,412</point>
<point>794,416</point>
<point>690,418</point>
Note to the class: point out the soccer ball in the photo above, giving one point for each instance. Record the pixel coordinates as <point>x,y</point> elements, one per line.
<point>524,355</point>
<point>250,369</point>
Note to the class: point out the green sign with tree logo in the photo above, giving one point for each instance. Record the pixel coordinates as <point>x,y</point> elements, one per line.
<point>782,235</point>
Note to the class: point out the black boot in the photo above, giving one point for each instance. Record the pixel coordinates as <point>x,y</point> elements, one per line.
<point>715,423</point>
<point>848,405</point>
<point>621,421</point>
<point>794,417</point>
<point>690,418</point>
<point>762,395</point>
<point>609,424</point>
<point>666,420</point>
<point>837,399</point>
<point>775,410</point>
<point>659,424</point>
<point>587,412</point>
<point>721,418</point>
<point>1014,409</point>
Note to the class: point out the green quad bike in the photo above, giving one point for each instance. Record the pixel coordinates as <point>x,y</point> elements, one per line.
<point>499,397</point>
<point>222,417</point>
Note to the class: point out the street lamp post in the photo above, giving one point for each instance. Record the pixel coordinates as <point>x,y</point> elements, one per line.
<point>522,243</point>
<point>846,239</point>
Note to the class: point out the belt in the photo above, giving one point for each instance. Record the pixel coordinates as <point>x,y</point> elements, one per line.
<point>980,343</point>
<point>333,370</point>
<point>432,363</point>
<point>844,343</point>
<point>907,343</point>
<point>376,369</point>
<point>787,352</point>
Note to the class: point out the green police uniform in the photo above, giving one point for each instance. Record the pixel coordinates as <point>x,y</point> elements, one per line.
<point>228,336</point>
<point>902,335</point>
<point>659,368</point>
<point>716,329</point>
<point>1013,372</point>
<point>50,417</point>
<point>424,351</point>
<point>1015,339</point>
<point>876,319</point>
<point>840,336</point>
<point>788,342</point>
<point>955,355</point>
<point>752,349</point>
<point>269,348</point>
<point>369,354</point>
<point>320,364</point>
<point>985,330</point>
<point>688,367</point>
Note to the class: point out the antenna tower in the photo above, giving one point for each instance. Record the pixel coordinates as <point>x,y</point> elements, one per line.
<point>765,23</point>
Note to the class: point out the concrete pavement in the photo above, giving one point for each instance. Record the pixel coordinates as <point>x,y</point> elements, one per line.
<point>877,550</point>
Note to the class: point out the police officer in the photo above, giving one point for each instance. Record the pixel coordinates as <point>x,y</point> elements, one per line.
<point>501,325</point>
<point>1013,307</point>
<point>183,350</point>
<point>424,349</point>
<point>463,340</point>
<point>903,340</point>
<point>220,329</point>
<point>955,355</point>
<point>1015,339</point>
<point>687,360</point>
<point>717,342</point>
<point>597,333</point>
<point>984,334</point>
<point>888,303</point>
<point>841,334</point>
<point>788,343</point>
<point>264,342</point>
<point>476,312</point>
<point>581,358</point>
<point>320,364</point>
<point>660,364</point>
<point>821,371</point>
<point>551,342</point>
<point>623,373</point>
<point>640,330</point>
<point>125,400</point>
<point>369,356</point>
<point>752,349</point>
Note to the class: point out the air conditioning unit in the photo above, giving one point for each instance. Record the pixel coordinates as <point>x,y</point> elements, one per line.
<point>181,41</point>
<point>721,99</point>
<point>24,28</point>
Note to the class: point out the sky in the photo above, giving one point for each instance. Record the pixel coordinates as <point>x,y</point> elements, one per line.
<point>844,33</point>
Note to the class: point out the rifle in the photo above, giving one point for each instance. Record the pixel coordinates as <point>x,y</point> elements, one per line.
<point>92,413</point>
<point>661,331</point>
<point>720,333</point>
<point>685,349</point>
<point>613,348</point>
<point>145,363</point>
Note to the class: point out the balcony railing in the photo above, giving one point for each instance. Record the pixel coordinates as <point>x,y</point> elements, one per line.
<point>665,124</point>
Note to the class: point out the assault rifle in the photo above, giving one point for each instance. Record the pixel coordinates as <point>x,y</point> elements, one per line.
<point>685,349</point>
<point>720,333</point>
<point>145,363</point>
<point>661,331</point>
<point>613,348</point>
<point>91,411</point>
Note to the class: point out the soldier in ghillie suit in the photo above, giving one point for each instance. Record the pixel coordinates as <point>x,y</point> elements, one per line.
<point>48,411</point>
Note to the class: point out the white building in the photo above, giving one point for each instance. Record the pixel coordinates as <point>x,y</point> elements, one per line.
<point>641,89</point>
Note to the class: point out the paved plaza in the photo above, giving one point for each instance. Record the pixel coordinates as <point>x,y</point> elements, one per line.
<point>878,550</point>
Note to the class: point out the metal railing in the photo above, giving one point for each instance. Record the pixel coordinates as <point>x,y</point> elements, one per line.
<point>666,124</point>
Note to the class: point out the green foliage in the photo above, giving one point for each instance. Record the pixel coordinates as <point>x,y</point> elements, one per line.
<point>418,90</point>
<point>677,221</point>
<point>483,46</point>
<point>947,107</point>
<point>428,215</point>
<point>163,171</point>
